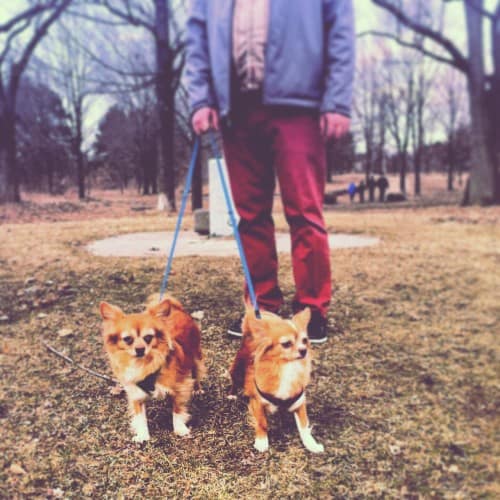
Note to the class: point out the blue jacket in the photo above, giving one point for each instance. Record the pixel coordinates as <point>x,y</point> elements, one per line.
<point>309,60</point>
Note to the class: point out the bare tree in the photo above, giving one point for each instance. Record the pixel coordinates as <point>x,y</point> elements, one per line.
<point>73,71</point>
<point>156,17</point>
<point>452,117</point>
<point>483,89</point>
<point>422,118</point>
<point>400,85</point>
<point>31,25</point>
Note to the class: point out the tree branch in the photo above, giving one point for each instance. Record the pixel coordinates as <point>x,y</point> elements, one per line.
<point>477,8</point>
<point>96,19</point>
<point>415,46</point>
<point>128,16</point>
<point>81,367</point>
<point>460,61</point>
<point>19,67</point>
<point>11,36</point>
<point>26,14</point>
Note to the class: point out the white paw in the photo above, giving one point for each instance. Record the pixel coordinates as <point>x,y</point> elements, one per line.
<point>182,430</point>
<point>261,444</point>
<point>140,438</point>
<point>312,445</point>
<point>232,397</point>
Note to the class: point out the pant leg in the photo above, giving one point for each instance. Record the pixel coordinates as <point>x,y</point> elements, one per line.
<point>300,162</point>
<point>252,183</point>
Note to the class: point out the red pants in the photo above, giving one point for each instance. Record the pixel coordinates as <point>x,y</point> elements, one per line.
<point>260,143</point>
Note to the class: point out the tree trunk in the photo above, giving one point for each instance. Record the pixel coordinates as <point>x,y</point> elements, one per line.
<point>494,100</point>
<point>165,97</point>
<point>80,167</point>
<point>451,161</point>
<point>9,181</point>
<point>482,179</point>
<point>402,171</point>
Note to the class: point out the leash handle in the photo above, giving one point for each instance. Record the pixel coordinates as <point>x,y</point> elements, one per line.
<point>187,187</point>
<point>246,271</point>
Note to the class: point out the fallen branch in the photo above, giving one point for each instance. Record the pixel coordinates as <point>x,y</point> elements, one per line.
<point>88,370</point>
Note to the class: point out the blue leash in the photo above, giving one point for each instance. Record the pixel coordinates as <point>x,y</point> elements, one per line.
<point>246,271</point>
<point>189,178</point>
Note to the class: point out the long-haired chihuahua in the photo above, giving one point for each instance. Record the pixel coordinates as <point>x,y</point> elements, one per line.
<point>273,366</point>
<point>153,354</point>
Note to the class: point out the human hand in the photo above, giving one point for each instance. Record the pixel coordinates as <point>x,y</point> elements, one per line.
<point>334,125</point>
<point>205,119</point>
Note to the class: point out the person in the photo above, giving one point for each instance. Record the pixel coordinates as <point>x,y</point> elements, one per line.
<point>361,191</point>
<point>275,77</point>
<point>371,188</point>
<point>351,189</point>
<point>382,184</point>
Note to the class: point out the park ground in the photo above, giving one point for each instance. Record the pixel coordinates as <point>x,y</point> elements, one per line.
<point>405,393</point>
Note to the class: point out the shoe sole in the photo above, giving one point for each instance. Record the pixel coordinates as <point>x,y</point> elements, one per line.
<point>233,333</point>
<point>318,341</point>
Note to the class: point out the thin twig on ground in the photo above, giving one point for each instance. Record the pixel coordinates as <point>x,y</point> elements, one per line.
<point>88,370</point>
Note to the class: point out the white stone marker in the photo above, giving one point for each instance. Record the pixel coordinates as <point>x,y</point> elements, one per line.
<point>220,222</point>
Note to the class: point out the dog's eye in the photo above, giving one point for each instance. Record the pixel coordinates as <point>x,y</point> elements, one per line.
<point>287,344</point>
<point>304,340</point>
<point>128,340</point>
<point>148,339</point>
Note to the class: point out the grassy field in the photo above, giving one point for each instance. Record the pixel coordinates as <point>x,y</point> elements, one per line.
<point>405,394</point>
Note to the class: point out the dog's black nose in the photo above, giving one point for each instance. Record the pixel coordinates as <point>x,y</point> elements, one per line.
<point>302,353</point>
<point>139,351</point>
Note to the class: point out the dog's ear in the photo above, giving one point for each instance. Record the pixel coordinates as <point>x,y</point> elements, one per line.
<point>257,328</point>
<point>110,312</point>
<point>162,309</point>
<point>263,345</point>
<point>302,318</point>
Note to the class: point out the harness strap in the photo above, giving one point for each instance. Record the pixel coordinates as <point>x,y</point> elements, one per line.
<point>284,404</point>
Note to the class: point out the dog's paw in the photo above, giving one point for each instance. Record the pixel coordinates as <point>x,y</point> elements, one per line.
<point>261,444</point>
<point>140,438</point>
<point>182,430</point>
<point>232,397</point>
<point>313,446</point>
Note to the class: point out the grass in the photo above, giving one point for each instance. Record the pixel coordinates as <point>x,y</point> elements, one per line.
<point>405,394</point>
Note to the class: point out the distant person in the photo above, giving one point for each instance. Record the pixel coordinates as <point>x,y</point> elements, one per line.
<point>276,79</point>
<point>351,189</point>
<point>371,188</point>
<point>382,184</point>
<point>361,191</point>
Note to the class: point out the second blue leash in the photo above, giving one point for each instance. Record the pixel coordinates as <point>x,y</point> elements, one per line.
<point>187,187</point>
<point>248,278</point>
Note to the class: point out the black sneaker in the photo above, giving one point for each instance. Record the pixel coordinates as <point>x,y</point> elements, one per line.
<point>316,329</point>
<point>235,329</point>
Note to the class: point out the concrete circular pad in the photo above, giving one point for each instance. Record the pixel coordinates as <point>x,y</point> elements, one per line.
<point>191,243</point>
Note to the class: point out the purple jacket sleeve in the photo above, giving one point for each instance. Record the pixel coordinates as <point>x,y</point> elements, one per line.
<point>197,71</point>
<point>340,56</point>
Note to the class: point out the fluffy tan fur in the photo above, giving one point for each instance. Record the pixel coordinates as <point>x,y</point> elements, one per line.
<point>162,342</point>
<point>275,359</point>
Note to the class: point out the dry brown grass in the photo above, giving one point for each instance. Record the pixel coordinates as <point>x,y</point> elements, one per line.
<point>405,395</point>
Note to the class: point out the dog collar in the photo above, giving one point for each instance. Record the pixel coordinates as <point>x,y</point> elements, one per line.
<point>148,384</point>
<point>284,404</point>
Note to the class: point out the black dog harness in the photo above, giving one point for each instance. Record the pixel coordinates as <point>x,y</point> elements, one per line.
<point>148,384</point>
<point>282,404</point>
